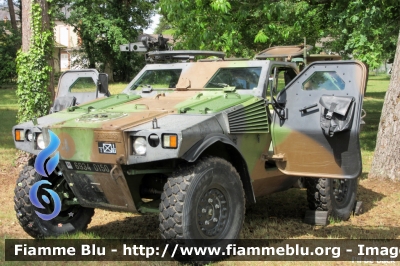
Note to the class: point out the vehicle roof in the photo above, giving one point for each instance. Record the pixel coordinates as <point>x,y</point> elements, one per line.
<point>200,72</point>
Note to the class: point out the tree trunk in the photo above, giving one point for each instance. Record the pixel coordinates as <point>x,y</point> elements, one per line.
<point>27,33</point>
<point>12,14</point>
<point>386,162</point>
<point>26,24</point>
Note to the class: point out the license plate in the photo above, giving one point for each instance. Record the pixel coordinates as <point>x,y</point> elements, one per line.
<point>89,167</point>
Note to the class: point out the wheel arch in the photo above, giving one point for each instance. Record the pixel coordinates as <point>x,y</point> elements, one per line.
<point>221,146</point>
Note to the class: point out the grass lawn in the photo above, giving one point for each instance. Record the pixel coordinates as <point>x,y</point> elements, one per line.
<point>373,102</point>
<point>8,113</point>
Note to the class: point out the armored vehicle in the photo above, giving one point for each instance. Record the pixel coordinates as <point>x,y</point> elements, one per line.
<point>197,141</point>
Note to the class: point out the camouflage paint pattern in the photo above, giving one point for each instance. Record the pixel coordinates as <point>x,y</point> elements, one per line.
<point>241,116</point>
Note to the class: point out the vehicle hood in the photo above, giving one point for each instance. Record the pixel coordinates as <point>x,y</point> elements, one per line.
<point>124,111</point>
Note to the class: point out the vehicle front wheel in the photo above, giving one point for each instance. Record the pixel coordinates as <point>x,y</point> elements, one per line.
<point>337,196</point>
<point>203,201</point>
<point>72,217</point>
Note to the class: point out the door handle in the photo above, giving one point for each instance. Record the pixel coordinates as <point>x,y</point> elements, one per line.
<point>304,109</point>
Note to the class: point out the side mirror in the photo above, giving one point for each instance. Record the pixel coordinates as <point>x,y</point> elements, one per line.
<point>272,85</point>
<point>102,84</point>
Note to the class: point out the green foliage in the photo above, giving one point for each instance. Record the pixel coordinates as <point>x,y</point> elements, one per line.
<point>162,26</point>
<point>33,69</point>
<point>10,41</point>
<point>365,29</point>
<point>239,28</point>
<point>104,25</point>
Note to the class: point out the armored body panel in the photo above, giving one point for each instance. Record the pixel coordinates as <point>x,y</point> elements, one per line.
<point>272,124</point>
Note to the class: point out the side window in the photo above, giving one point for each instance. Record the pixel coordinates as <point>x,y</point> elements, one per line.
<point>243,78</point>
<point>279,77</point>
<point>324,80</point>
<point>83,84</point>
<point>158,79</point>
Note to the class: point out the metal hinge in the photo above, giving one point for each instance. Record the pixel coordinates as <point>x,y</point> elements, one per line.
<point>275,157</point>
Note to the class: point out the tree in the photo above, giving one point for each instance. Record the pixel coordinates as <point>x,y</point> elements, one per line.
<point>366,30</point>
<point>10,42</point>
<point>34,60</point>
<point>386,162</point>
<point>104,25</point>
<point>162,26</point>
<point>12,14</point>
<point>240,27</point>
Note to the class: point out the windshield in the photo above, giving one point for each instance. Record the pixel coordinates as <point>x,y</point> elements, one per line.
<point>158,79</point>
<point>243,78</point>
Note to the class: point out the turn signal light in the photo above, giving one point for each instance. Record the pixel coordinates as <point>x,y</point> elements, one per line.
<point>170,141</point>
<point>19,135</point>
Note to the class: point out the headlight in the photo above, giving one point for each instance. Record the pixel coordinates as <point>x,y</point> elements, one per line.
<point>140,146</point>
<point>40,141</point>
<point>29,135</point>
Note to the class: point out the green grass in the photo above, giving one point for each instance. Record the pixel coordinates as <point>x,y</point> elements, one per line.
<point>116,88</point>
<point>169,32</point>
<point>83,84</point>
<point>373,102</point>
<point>8,113</point>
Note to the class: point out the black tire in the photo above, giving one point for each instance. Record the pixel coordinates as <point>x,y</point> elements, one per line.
<point>337,196</point>
<point>34,225</point>
<point>203,201</point>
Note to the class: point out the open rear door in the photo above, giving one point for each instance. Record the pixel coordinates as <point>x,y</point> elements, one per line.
<point>318,136</point>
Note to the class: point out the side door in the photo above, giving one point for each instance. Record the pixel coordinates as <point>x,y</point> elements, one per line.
<point>77,87</point>
<point>316,134</point>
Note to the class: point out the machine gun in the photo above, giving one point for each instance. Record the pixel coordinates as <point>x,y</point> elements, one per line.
<point>146,44</point>
<point>157,50</point>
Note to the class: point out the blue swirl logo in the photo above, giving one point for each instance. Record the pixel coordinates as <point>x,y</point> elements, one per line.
<point>43,168</point>
<point>35,201</point>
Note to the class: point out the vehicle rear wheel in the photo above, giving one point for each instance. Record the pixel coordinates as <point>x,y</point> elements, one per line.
<point>203,201</point>
<point>337,196</point>
<point>72,217</point>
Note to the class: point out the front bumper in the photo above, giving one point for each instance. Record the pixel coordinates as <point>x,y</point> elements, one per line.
<point>98,185</point>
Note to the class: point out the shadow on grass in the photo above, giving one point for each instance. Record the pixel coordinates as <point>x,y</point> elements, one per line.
<point>278,216</point>
<point>380,95</point>
<point>144,226</point>
<point>379,77</point>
